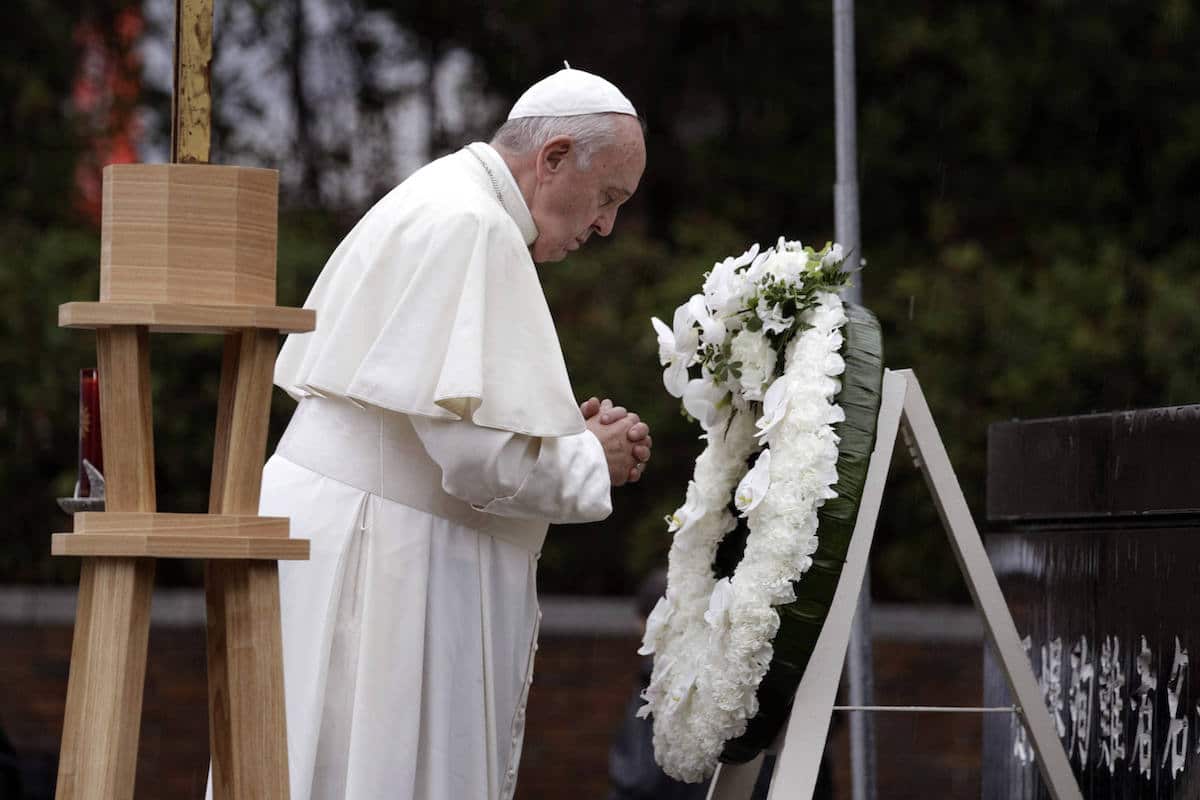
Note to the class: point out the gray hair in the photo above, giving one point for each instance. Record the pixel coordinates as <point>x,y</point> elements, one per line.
<point>591,132</point>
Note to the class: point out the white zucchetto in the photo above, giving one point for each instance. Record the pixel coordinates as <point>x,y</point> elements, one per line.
<point>569,93</point>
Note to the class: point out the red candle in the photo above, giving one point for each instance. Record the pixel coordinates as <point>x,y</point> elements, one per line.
<point>89,428</point>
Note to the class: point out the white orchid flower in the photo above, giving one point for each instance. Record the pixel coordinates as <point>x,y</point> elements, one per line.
<point>703,399</point>
<point>772,316</point>
<point>726,289</point>
<point>687,514</point>
<point>747,257</point>
<point>717,615</point>
<point>673,683</point>
<point>682,685</point>
<point>677,348</point>
<point>721,288</point>
<point>656,624</point>
<point>655,694</point>
<point>758,267</point>
<point>775,406</point>
<point>712,330</point>
<point>753,488</point>
<point>835,254</point>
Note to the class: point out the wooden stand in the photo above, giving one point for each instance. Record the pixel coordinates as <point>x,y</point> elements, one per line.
<point>902,412</point>
<point>245,661</point>
<point>185,247</point>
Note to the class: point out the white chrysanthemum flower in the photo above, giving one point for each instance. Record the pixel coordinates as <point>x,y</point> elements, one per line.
<point>787,265</point>
<point>757,358</point>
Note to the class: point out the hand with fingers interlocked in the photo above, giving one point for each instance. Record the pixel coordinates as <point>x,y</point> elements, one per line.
<point>624,437</point>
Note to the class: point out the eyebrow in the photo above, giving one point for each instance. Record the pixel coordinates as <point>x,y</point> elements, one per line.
<point>625,193</point>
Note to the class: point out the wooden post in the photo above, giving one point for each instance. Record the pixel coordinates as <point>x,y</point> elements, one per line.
<point>247,733</point>
<point>191,103</point>
<point>247,727</point>
<point>108,658</point>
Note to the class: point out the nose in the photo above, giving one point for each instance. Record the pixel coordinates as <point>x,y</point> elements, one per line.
<point>605,222</point>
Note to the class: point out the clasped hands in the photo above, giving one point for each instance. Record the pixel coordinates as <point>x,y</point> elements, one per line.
<point>624,437</point>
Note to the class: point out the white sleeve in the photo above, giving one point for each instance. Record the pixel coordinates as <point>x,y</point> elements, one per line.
<point>562,479</point>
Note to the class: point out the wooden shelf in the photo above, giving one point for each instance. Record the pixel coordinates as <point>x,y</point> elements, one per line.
<point>155,523</point>
<point>186,318</point>
<point>138,545</point>
<point>145,534</point>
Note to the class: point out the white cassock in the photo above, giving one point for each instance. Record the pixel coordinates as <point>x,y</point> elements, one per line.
<point>436,436</point>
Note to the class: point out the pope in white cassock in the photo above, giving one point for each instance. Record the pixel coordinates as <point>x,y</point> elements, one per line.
<point>435,438</point>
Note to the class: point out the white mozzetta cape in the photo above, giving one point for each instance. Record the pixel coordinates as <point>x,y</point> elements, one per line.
<point>457,328</point>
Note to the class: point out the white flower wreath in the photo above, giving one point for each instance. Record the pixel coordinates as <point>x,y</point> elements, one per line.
<point>712,639</point>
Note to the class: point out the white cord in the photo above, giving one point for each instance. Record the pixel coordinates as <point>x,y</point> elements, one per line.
<point>935,709</point>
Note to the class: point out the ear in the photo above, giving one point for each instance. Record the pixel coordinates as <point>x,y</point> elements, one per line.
<point>554,154</point>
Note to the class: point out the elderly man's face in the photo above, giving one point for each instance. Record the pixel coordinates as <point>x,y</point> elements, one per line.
<point>571,204</point>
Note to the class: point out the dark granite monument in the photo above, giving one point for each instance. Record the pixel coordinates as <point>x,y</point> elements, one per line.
<point>1095,539</point>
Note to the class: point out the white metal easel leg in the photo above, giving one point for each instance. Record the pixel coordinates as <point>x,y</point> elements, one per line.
<point>735,781</point>
<point>903,408</point>
<point>930,454</point>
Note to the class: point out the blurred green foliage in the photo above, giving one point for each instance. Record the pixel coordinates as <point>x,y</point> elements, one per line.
<point>1029,175</point>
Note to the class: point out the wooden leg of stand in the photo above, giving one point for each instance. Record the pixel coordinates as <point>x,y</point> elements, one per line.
<point>245,681</point>
<point>112,623</point>
<point>244,407</point>
<point>248,734</point>
<point>108,672</point>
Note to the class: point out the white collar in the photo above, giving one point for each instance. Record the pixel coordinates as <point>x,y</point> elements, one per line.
<point>490,162</point>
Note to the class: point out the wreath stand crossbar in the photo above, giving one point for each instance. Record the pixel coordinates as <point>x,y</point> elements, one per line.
<point>902,412</point>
